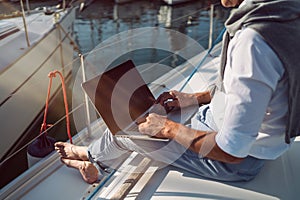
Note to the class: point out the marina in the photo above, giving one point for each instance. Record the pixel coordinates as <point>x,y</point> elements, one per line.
<point>175,46</point>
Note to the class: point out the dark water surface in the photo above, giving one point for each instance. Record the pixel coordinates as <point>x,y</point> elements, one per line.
<point>103,19</point>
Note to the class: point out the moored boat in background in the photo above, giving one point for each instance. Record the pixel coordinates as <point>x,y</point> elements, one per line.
<point>31,47</point>
<point>174,2</point>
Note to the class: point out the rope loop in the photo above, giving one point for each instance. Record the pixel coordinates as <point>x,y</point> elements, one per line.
<point>52,74</point>
<point>44,125</point>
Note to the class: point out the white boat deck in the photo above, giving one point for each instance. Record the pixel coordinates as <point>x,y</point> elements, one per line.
<point>50,179</point>
<point>277,180</point>
<point>15,45</point>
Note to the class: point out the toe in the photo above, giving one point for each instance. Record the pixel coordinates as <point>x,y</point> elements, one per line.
<point>72,163</point>
<point>59,144</point>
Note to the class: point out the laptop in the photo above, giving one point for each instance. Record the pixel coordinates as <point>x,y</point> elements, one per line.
<point>121,97</point>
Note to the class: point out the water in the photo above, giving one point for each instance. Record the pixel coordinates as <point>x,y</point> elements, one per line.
<point>104,19</point>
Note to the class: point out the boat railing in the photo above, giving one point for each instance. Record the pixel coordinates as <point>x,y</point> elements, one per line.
<point>82,105</point>
<point>24,20</point>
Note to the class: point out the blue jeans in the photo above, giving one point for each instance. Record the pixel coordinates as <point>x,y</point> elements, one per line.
<point>108,148</point>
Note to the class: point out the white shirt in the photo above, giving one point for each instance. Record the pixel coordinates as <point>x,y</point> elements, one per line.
<point>256,100</point>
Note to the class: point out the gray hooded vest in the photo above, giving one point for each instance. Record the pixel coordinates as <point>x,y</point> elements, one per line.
<point>278,22</point>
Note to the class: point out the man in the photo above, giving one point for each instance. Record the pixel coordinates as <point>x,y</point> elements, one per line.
<point>259,90</point>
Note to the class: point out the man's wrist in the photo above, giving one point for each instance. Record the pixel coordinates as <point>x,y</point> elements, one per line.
<point>170,128</point>
<point>203,97</point>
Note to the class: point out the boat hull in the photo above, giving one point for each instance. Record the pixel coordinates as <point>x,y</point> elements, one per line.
<point>24,82</point>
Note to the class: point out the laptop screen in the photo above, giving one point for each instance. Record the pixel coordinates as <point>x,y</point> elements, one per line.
<point>120,95</point>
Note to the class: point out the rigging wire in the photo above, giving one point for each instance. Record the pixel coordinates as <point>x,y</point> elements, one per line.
<point>44,132</point>
<point>219,39</point>
<point>93,51</point>
<point>69,65</point>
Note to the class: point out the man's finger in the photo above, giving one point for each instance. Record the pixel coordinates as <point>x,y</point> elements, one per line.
<point>163,97</point>
<point>141,120</point>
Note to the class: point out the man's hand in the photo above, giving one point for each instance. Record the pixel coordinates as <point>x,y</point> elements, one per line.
<point>174,100</point>
<point>155,125</point>
<point>200,142</point>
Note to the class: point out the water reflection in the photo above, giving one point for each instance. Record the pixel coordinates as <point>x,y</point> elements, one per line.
<point>104,19</point>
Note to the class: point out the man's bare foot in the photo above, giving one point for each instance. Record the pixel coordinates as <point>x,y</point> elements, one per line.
<point>70,151</point>
<point>87,170</point>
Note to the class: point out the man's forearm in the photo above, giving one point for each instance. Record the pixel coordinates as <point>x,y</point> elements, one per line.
<point>200,142</point>
<point>203,97</point>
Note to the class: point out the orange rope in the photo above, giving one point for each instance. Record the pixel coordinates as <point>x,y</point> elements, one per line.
<point>44,124</point>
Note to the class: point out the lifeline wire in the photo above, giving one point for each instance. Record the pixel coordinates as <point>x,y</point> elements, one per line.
<point>219,38</point>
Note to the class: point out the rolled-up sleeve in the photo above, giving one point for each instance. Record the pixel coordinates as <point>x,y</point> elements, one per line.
<point>249,81</point>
